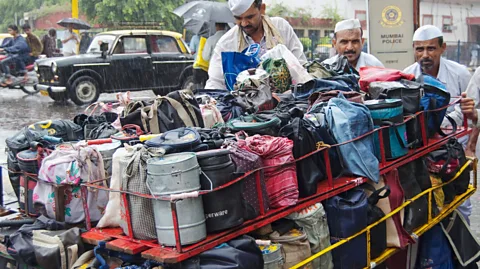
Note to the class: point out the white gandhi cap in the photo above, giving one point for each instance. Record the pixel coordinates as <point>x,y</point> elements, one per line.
<point>238,7</point>
<point>347,25</point>
<point>427,32</point>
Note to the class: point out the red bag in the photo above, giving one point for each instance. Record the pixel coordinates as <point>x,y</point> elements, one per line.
<point>373,73</point>
<point>282,186</point>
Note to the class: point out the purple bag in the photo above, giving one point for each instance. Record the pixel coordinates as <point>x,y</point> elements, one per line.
<point>246,161</point>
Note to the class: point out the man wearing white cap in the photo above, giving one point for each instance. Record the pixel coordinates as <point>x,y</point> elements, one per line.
<point>347,40</point>
<point>428,47</point>
<point>253,26</point>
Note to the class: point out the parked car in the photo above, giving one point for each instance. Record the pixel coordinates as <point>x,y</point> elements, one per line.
<point>117,61</point>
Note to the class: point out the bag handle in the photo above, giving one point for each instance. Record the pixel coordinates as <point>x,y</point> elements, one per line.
<point>376,193</point>
<point>398,135</point>
<point>452,121</point>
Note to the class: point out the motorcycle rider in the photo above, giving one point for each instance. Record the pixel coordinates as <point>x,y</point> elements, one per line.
<point>18,53</point>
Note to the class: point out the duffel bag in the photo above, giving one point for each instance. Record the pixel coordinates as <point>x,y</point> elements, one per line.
<point>411,94</point>
<point>188,101</point>
<point>317,98</point>
<point>446,162</point>
<point>389,112</point>
<point>347,214</point>
<point>369,74</point>
<point>238,253</point>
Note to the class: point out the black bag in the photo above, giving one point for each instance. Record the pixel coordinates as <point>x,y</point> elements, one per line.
<point>239,253</point>
<point>65,129</point>
<point>347,214</point>
<point>464,243</point>
<point>132,114</point>
<point>311,170</point>
<point>102,130</point>
<point>378,234</point>
<point>20,245</point>
<point>410,93</point>
<point>446,162</point>
<point>416,214</point>
<point>322,134</point>
<point>178,140</point>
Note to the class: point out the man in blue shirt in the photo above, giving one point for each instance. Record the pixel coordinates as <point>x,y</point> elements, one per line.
<point>18,52</point>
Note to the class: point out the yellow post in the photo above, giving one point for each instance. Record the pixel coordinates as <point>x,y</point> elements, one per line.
<point>75,15</point>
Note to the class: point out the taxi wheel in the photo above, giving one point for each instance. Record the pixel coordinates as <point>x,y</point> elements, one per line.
<point>85,90</point>
<point>188,84</point>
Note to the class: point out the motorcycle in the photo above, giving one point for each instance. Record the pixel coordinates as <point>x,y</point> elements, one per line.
<point>28,85</point>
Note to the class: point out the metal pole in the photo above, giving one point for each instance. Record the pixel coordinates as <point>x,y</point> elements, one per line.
<point>416,14</point>
<point>75,15</point>
<point>458,52</point>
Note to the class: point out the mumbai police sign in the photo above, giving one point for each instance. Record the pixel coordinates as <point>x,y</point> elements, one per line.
<point>391,31</point>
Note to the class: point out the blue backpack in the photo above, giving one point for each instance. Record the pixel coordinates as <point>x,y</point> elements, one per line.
<point>435,251</point>
<point>347,214</point>
<point>435,97</point>
<point>235,62</point>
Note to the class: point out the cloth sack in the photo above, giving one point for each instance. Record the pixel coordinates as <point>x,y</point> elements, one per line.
<point>134,180</point>
<point>313,220</point>
<point>282,186</point>
<point>280,78</point>
<point>295,245</point>
<point>112,218</point>
<point>211,115</point>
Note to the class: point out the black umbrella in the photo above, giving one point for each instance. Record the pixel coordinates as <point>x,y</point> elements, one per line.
<point>76,23</point>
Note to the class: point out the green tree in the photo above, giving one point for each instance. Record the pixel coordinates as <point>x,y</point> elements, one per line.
<point>279,10</point>
<point>9,8</point>
<point>110,12</point>
<point>331,12</point>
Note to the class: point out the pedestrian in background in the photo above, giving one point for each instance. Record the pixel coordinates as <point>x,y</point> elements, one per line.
<point>34,43</point>
<point>474,53</point>
<point>49,42</point>
<point>194,43</point>
<point>70,42</point>
<point>85,42</point>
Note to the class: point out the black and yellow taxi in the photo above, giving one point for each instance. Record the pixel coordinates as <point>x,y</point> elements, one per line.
<point>118,61</point>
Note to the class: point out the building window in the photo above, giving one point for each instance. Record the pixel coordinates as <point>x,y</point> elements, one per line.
<point>299,32</point>
<point>447,24</point>
<point>314,33</point>
<point>361,15</point>
<point>427,19</point>
<point>329,32</point>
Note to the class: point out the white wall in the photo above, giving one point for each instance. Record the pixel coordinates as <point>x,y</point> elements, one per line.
<point>346,8</point>
<point>459,15</point>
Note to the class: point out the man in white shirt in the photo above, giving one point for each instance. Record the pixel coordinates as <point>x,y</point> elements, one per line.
<point>70,42</point>
<point>347,40</point>
<point>428,47</point>
<point>253,26</point>
<point>213,40</point>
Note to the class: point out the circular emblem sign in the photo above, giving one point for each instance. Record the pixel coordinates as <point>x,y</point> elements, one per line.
<point>391,17</point>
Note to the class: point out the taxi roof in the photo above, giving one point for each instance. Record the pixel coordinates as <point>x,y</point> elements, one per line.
<point>140,32</point>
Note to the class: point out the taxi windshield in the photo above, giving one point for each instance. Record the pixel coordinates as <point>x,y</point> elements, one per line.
<point>99,39</point>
